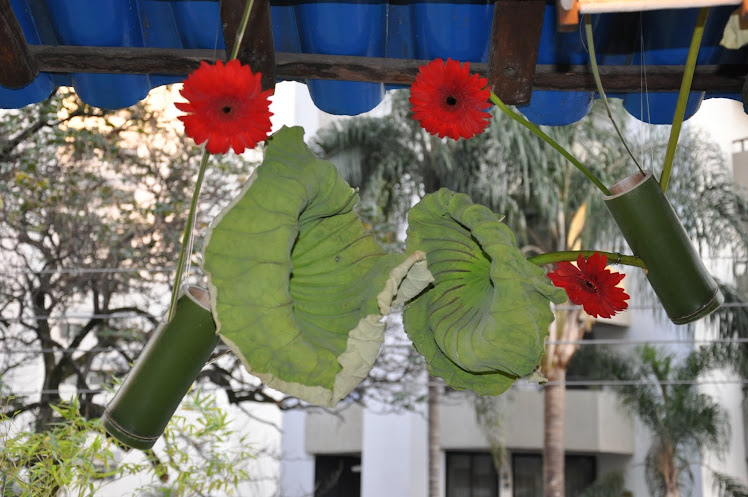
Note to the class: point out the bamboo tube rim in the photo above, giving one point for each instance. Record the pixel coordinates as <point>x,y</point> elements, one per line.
<point>628,184</point>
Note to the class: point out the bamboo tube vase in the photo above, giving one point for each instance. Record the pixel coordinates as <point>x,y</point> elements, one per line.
<point>163,373</point>
<point>653,231</point>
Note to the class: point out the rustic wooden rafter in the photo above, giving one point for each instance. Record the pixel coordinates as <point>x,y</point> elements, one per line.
<point>17,68</point>
<point>256,48</point>
<point>515,38</point>
<point>619,79</point>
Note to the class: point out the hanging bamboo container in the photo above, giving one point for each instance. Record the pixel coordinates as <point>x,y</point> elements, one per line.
<point>653,231</point>
<point>164,372</point>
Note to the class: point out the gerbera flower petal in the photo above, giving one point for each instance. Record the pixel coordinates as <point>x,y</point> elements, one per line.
<point>591,285</point>
<point>225,107</point>
<point>448,101</point>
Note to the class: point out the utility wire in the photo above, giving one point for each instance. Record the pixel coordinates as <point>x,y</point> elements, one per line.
<point>594,341</point>
<point>127,315</point>
<point>568,383</point>
<point>83,391</point>
<point>623,383</point>
<point>79,270</point>
<point>70,317</point>
<point>219,349</point>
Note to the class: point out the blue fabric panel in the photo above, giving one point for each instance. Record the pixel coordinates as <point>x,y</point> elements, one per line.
<point>420,29</point>
<point>43,85</point>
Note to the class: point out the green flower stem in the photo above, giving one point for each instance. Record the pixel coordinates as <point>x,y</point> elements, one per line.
<point>186,250</point>
<point>685,88</point>
<point>571,256</point>
<point>187,238</point>
<point>550,141</point>
<point>599,84</point>
<point>242,28</point>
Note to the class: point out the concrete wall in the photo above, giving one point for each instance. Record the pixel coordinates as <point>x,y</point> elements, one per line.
<point>339,433</point>
<point>595,423</point>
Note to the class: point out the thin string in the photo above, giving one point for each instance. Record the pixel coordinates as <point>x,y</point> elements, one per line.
<point>642,85</point>
<point>601,90</point>
<point>646,129</point>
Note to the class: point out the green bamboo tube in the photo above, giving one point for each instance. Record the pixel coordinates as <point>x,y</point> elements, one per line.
<point>655,234</point>
<point>163,373</point>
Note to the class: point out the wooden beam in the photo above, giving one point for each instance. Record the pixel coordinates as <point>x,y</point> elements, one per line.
<point>17,68</point>
<point>626,79</point>
<point>120,60</point>
<point>515,38</point>
<point>256,48</point>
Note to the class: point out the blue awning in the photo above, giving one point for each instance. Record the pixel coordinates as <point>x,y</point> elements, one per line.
<point>395,29</point>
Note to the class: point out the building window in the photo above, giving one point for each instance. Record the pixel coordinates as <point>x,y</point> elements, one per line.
<point>527,474</point>
<point>337,476</point>
<point>471,475</point>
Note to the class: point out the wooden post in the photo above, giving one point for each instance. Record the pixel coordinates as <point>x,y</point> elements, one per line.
<point>17,66</point>
<point>256,49</point>
<point>567,15</point>
<point>515,37</point>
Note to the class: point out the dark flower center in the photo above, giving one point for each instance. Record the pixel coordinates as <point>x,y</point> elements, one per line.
<point>589,286</point>
<point>226,109</point>
<point>451,100</point>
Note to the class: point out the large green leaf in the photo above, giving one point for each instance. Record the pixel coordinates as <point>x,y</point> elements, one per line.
<point>294,277</point>
<point>484,322</point>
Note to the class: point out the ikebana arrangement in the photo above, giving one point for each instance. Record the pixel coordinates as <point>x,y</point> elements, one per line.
<point>297,288</point>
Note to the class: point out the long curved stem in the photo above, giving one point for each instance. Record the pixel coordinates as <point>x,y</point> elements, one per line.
<point>550,141</point>
<point>685,88</point>
<point>599,84</point>
<point>186,250</point>
<point>242,28</point>
<point>571,256</point>
<point>187,238</point>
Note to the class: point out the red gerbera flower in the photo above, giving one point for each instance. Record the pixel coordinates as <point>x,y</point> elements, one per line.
<point>591,285</point>
<point>449,101</point>
<point>226,106</point>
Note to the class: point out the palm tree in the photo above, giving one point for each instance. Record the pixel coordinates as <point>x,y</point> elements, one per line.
<point>545,201</point>
<point>662,392</point>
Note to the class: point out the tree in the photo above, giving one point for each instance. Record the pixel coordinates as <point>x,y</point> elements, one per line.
<point>546,202</point>
<point>75,455</point>
<point>506,168</point>
<point>662,391</point>
<point>93,203</point>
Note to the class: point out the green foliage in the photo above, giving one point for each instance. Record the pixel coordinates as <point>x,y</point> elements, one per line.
<point>75,455</point>
<point>83,190</point>
<point>727,486</point>
<point>506,168</point>
<point>484,322</point>
<point>491,416</point>
<point>661,391</point>
<point>295,277</point>
<point>609,485</point>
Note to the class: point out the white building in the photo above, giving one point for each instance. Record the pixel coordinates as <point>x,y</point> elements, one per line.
<point>355,452</point>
